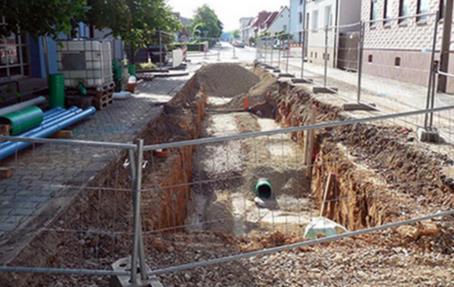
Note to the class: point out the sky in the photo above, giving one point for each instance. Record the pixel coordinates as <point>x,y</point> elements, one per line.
<point>228,11</point>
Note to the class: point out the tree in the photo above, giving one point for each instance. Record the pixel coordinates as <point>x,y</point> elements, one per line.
<point>236,34</point>
<point>206,23</point>
<point>40,17</point>
<point>135,21</point>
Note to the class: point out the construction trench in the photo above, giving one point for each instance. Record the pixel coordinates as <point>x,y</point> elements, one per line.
<point>198,202</point>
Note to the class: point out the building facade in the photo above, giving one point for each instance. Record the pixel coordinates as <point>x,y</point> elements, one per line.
<point>297,20</point>
<point>401,49</point>
<point>280,23</point>
<point>246,31</point>
<point>321,16</point>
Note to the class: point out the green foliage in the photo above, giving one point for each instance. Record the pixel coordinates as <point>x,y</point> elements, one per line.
<point>206,23</point>
<point>236,34</point>
<point>40,17</point>
<point>135,21</point>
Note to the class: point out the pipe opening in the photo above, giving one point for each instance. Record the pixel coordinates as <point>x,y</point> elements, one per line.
<point>263,188</point>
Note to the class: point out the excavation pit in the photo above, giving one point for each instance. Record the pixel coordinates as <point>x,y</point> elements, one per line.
<point>198,201</point>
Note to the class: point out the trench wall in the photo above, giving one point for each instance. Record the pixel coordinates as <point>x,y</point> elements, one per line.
<point>385,181</point>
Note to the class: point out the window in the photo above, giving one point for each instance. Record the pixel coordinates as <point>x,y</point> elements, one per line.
<point>370,58</point>
<point>328,17</point>
<point>397,62</point>
<point>13,56</point>
<point>386,13</point>
<point>301,17</point>
<point>315,20</point>
<point>300,37</point>
<point>441,9</point>
<point>404,10</point>
<point>422,8</point>
<point>301,2</point>
<point>373,12</point>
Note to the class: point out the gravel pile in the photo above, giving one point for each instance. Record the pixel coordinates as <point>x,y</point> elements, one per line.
<point>386,259</point>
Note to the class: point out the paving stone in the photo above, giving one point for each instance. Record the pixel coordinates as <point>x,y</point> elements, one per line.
<point>42,172</point>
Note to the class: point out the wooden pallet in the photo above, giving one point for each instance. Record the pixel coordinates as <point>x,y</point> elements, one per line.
<point>75,99</point>
<point>100,96</point>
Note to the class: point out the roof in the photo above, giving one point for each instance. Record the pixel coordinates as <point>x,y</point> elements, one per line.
<point>270,19</point>
<point>260,19</point>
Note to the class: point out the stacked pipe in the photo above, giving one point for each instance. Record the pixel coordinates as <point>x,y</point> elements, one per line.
<point>53,121</point>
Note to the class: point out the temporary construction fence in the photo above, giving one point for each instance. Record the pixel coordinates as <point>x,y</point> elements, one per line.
<point>360,56</point>
<point>102,217</point>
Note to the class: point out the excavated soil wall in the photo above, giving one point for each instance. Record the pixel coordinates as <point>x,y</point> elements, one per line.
<point>378,173</point>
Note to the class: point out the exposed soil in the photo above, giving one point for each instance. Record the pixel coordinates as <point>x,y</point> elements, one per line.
<point>380,175</point>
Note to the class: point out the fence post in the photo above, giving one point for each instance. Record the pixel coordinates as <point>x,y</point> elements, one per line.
<point>362,28</point>
<point>303,52</point>
<point>279,47</point>
<point>435,67</point>
<point>138,249</point>
<point>264,50</point>
<point>205,51</point>
<point>219,50</point>
<point>325,58</point>
<point>234,52</point>
<point>431,84</point>
<point>160,48</point>
<point>288,52</point>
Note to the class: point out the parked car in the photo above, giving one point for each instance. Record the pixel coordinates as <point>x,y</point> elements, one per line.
<point>238,44</point>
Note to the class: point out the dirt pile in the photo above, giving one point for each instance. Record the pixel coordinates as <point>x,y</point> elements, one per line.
<point>225,80</point>
<point>260,97</point>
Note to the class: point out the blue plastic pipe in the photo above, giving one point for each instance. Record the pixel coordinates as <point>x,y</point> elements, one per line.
<point>48,122</point>
<point>17,146</point>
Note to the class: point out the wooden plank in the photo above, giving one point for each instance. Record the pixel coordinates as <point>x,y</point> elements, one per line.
<point>5,172</point>
<point>325,193</point>
<point>63,134</point>
<point>4,130</point>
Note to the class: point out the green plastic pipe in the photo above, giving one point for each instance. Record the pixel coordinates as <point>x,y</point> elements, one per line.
<point>263,188</point>
<point>56,91</point>
<point>23,120</point>
<point>132,69</point>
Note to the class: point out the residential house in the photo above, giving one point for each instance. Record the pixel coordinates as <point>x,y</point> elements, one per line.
<point>328,13</point>
<point>401,49</point>
<point>246,31</point>
<point>261,22</point>
<point>184,34</point>
<point>280,22</point>
<point>297,20</point>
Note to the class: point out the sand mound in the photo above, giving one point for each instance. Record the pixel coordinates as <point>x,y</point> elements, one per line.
<point>226,80</point>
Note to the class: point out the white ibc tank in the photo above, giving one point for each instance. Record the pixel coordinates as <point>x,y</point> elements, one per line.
<point>86,61</point>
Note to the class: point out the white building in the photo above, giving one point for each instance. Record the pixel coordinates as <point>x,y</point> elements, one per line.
<point>246,30</point>
<point>281,22</point>
<point>297,20</point>
<point>321,14</point>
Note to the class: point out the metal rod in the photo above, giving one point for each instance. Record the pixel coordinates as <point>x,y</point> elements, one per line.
<point>297,245</point>
<point>292,129</point>
<point>136,209</point>
<point>362,27</point>
<point>160,48</point>
<point>434,88</point>
<point>70,142</point>
<point>431,85</point>
<point>325,58</point>
<point>272,50</point>
<point>61,271</point>
<point>445,74</point>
